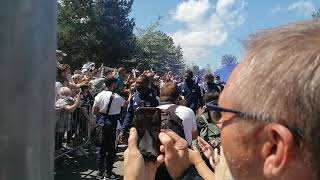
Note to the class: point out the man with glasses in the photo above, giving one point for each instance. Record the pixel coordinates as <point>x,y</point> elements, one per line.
<point>269,129</point>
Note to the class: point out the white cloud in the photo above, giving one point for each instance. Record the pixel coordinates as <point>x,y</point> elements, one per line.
<point>201,38</point>
<point>195,52</point>
<point>207,25</point>
<point>223,7</point>
<point>276,9</point>
<point>190,11</point>
<point>303,7</point>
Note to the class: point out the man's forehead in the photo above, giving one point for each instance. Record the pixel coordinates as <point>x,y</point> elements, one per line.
<point>224,101</point>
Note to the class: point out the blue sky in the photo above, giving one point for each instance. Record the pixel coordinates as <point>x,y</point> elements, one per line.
<point>208,29</point>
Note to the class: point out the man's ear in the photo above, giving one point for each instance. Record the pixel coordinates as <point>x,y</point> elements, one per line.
<point>277,149</point>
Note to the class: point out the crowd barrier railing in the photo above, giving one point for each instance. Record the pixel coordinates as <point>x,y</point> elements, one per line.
<point>72,131</point>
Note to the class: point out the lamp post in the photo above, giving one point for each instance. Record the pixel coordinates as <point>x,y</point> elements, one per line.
<point>27,70</point>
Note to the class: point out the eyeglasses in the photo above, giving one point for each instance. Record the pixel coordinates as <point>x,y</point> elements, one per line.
<point>253,116</point>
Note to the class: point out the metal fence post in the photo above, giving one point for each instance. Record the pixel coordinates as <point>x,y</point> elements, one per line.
<point>27,70</point>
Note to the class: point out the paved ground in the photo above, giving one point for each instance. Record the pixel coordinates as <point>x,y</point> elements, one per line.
<point>80,168</point>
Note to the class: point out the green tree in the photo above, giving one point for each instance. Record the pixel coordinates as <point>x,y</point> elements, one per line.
<point>157,51</point>
<point>316,14</point>
<point>115,31</point>
<point>76,31</point>
<point>207,70</point>
<point>229,60</point>
<point>195,69</point>
<point>96,30</point>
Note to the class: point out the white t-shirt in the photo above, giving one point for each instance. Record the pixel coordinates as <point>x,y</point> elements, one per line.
<point>102,101</point>
<point>188,120</point>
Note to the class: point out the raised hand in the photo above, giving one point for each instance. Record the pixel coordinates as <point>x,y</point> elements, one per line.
<point>175,153</point>
<point>135,168</point>
<point>194,155</point>
<point>205,147</point>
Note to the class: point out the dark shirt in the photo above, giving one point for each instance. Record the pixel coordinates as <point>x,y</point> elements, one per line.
<point>156,90</point>
<point>138,100</point>
<point>87,100</point>
<point>192,94</point>
<point>60,79</point>
<point>191,173</point>
<point>212,87</point>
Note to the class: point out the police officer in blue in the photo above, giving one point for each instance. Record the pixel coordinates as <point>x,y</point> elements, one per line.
<point>191,91</point>
<point>143,97</point>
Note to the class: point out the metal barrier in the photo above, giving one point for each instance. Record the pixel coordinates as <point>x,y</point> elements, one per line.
<point>72,131</point>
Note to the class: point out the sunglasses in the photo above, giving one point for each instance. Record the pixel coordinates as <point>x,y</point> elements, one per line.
<point>212,106</point>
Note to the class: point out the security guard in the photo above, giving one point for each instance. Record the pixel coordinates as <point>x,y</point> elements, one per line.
<point>210,85</point>
<point>191,92</point>
<point>143,97</point>
<point>218,84</point>
<point>107,107</point>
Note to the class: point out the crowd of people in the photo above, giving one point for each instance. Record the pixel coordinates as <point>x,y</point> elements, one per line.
<point>266,118</point>
<point>108,98</point>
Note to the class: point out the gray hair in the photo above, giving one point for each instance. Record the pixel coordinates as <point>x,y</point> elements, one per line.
<point>280,77</point>
<point>64,91</point>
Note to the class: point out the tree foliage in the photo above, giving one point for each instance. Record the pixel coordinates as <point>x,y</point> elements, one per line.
<point>96,30</point>
<point>157,51</point>
<point>207,70</point>
<point>195,69</point>
<point>101,31</point>
<point>115,31</point>
<point>229,60</point>
<point>76,33</point>
<point>316,14</point>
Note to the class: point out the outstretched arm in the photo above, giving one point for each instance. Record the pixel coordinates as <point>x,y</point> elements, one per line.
<point>200,165</point>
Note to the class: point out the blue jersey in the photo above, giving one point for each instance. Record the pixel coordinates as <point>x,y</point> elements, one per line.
<point>192,94</point>
<point>138,100</point>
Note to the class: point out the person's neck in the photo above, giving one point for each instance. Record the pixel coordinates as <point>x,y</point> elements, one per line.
<point>169,102</point>
<point>109,89</point>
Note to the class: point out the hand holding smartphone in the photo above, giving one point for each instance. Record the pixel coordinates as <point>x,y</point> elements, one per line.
<point>147,121</point>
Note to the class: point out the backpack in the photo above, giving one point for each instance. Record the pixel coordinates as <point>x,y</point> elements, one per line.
<point>169,120</point>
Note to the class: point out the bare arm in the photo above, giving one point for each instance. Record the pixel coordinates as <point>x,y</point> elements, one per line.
<point>71,108</point>
<point>200,165</point>
<point>204,171</point>
<point>76,86</point>
<point>96,111</point>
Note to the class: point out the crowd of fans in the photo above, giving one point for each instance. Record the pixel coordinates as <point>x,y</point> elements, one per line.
<point>268,128</point>
<point>90,90</point>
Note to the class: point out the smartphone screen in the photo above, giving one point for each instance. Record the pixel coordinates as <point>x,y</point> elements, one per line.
<point>147,121</point>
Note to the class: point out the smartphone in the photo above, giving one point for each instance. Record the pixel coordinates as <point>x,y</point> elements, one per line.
<point>147,121</point>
